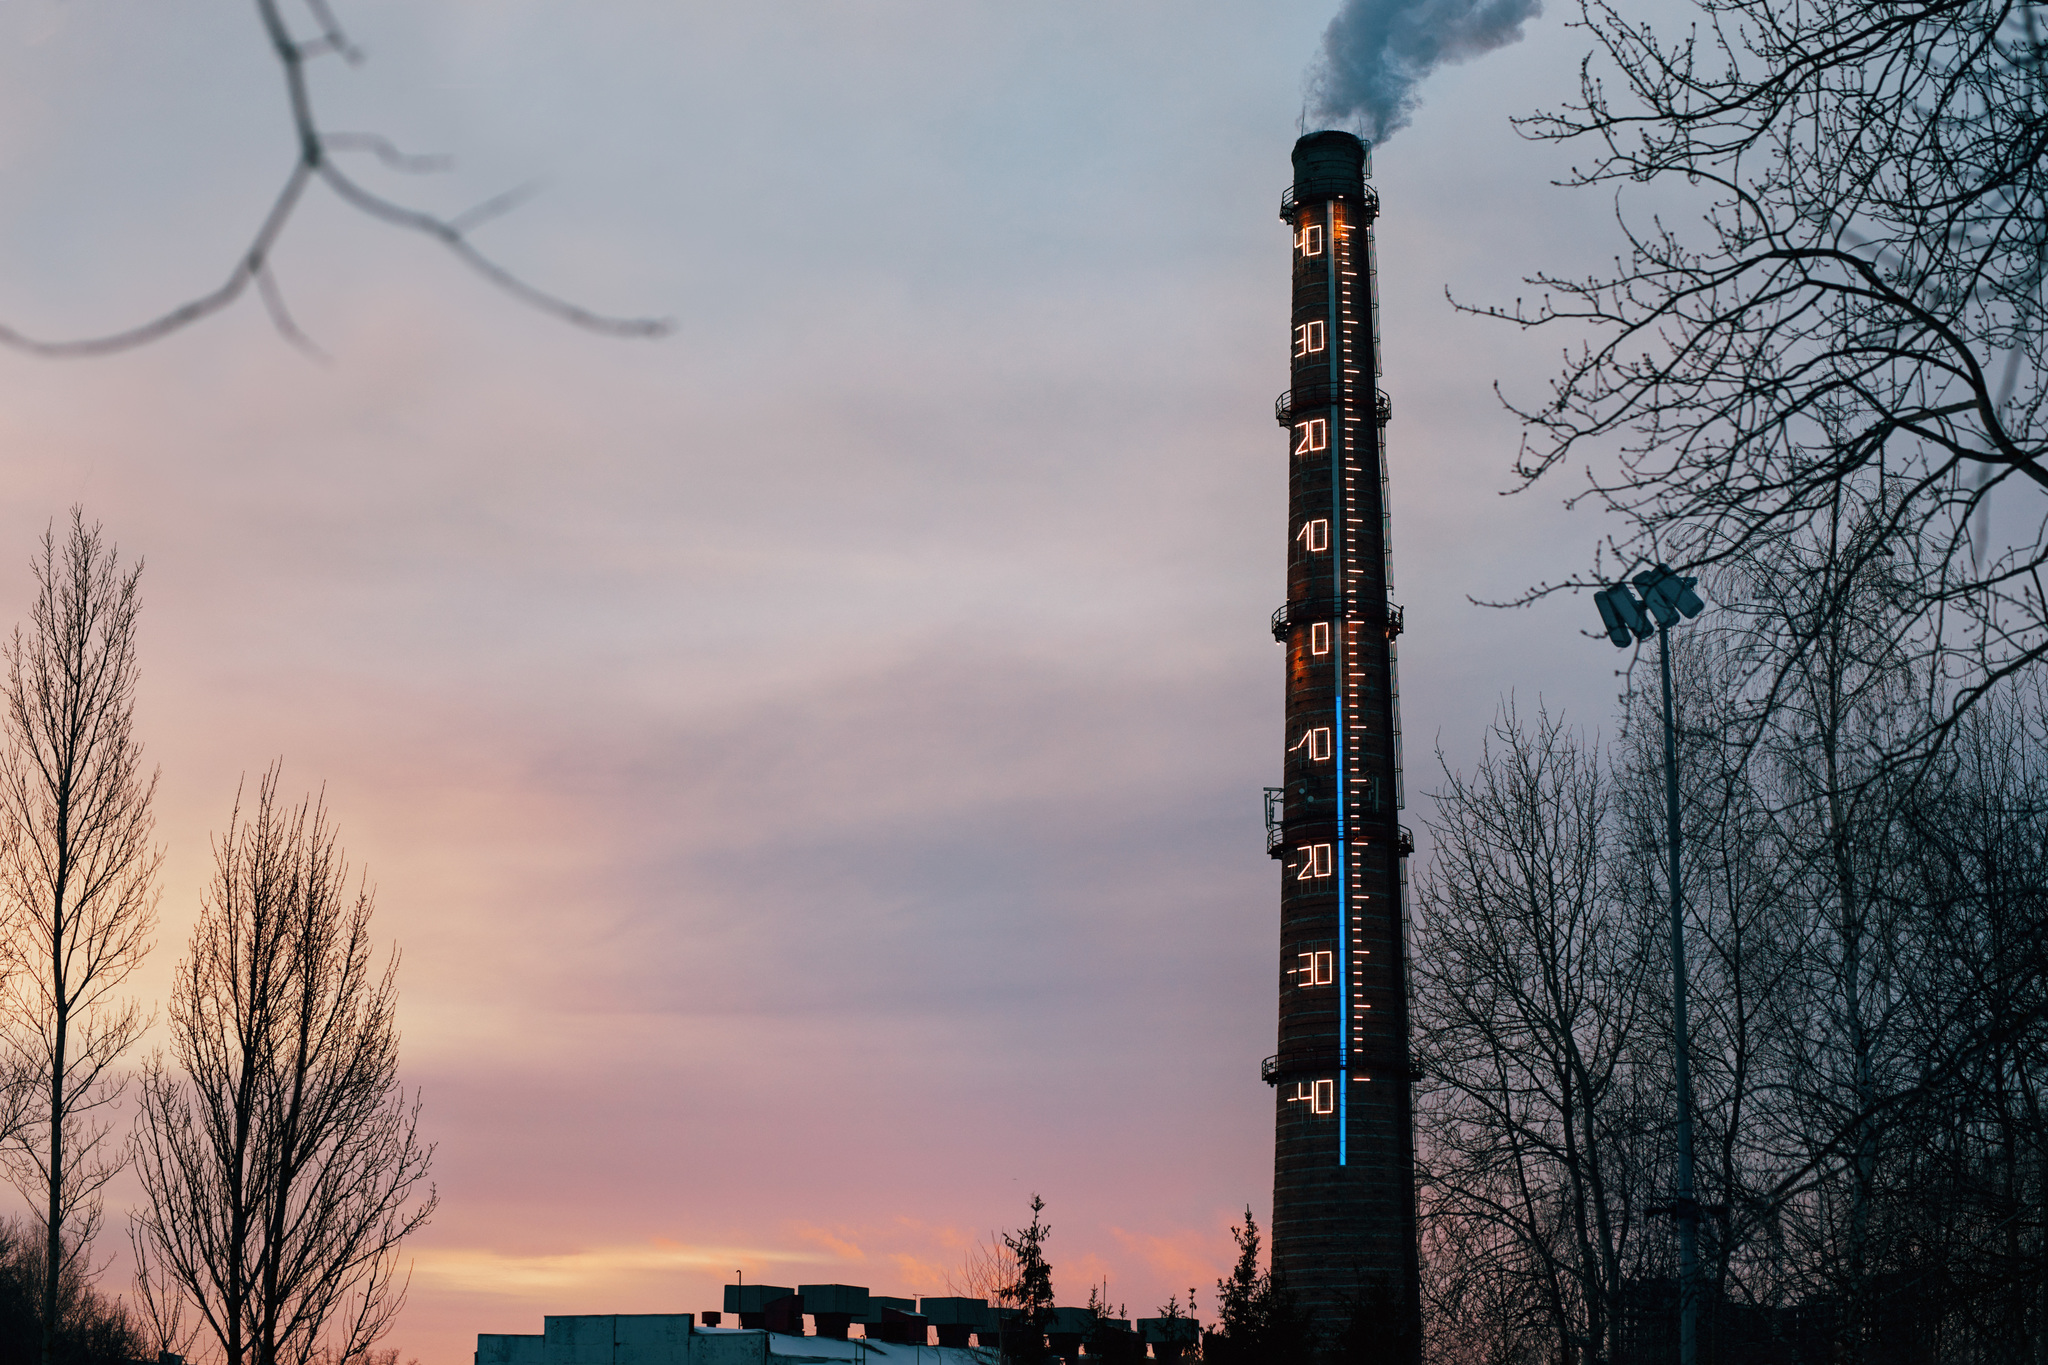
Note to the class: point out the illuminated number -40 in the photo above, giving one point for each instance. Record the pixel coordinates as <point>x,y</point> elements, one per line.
<point>1319,1096</point>
<point>1315,861</point>
<point>1309,241</point>
<point>1316,969</point>
<point>1309,339</point>
<point>1311,436</point>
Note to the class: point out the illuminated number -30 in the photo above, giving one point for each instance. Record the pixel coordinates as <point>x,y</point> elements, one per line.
<point>1309,241</point>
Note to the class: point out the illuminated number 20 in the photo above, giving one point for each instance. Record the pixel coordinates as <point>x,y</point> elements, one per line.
<point>1308,339</point>
<point>1314,435</point>
<point>1315,861</point>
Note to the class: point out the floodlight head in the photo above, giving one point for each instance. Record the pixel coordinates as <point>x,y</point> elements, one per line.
<point>1668,594</point>
<point>1611,620</point>
<point>1627,613</point>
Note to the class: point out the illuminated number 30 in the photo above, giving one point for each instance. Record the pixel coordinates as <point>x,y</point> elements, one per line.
<point>1314,435</point>
<point>1308,339</point>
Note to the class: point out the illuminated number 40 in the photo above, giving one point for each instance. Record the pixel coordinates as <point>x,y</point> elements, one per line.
<point>1309,241</point>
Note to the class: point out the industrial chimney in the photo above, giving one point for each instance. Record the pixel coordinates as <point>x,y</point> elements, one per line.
<point>1343,1233</point>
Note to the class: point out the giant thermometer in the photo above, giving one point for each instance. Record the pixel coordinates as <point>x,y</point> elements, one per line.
<point>1343,1169</point>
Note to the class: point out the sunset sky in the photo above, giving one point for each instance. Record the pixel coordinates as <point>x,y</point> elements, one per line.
<point>810,763</point>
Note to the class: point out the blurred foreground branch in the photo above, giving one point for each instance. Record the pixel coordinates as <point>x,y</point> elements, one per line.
<point>315,164</point>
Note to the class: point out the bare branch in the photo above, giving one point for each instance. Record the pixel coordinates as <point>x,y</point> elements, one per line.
<point>314,143</point>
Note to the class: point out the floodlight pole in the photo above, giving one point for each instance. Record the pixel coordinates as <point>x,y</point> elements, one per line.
<point>1684,1206</point>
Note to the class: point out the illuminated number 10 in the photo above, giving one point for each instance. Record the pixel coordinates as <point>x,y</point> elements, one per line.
<point>1315,435</point>
<point>1309,241</point>
<point>1314,536</point>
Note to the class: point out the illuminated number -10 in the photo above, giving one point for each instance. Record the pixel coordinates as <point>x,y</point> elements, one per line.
<point>1319,1096</point>
<point>1314,435</point>
<point>1309,241</point>
<point>1316,969</point>
<point>1317,742</point>
<point>1314,536</point>
<point>1315,861</point>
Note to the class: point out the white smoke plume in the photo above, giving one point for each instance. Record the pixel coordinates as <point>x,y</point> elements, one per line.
<point>1376,52</point>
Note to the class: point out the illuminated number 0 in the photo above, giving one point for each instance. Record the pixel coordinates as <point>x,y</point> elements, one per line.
<point>1319,637</point>
<point>1315,435</point>
<point>1314,536</point>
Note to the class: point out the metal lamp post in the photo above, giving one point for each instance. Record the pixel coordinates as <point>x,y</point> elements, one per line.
<point>1667,596</point>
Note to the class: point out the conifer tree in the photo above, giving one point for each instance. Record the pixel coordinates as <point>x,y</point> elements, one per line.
<point>1031,1289</point>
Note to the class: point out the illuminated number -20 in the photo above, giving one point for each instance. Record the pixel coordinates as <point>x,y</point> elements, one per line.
<point>1314,535</point>
<point>1316,969</point>
<point>1319,637</point>
<point>1317,742</point>
<point>1309,339</point>
<point>1309,241</point>
<point>1315,861</point>
<point>1314,435</point>
<point>1319,1096</point>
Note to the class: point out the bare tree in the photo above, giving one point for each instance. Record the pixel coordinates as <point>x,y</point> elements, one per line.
<point>1535,1144</point>
<point>318,34</point>
<point>1830,308</point>
<point>1871,1045</point>
<point>78,872</point>
<point>281,1159</point>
